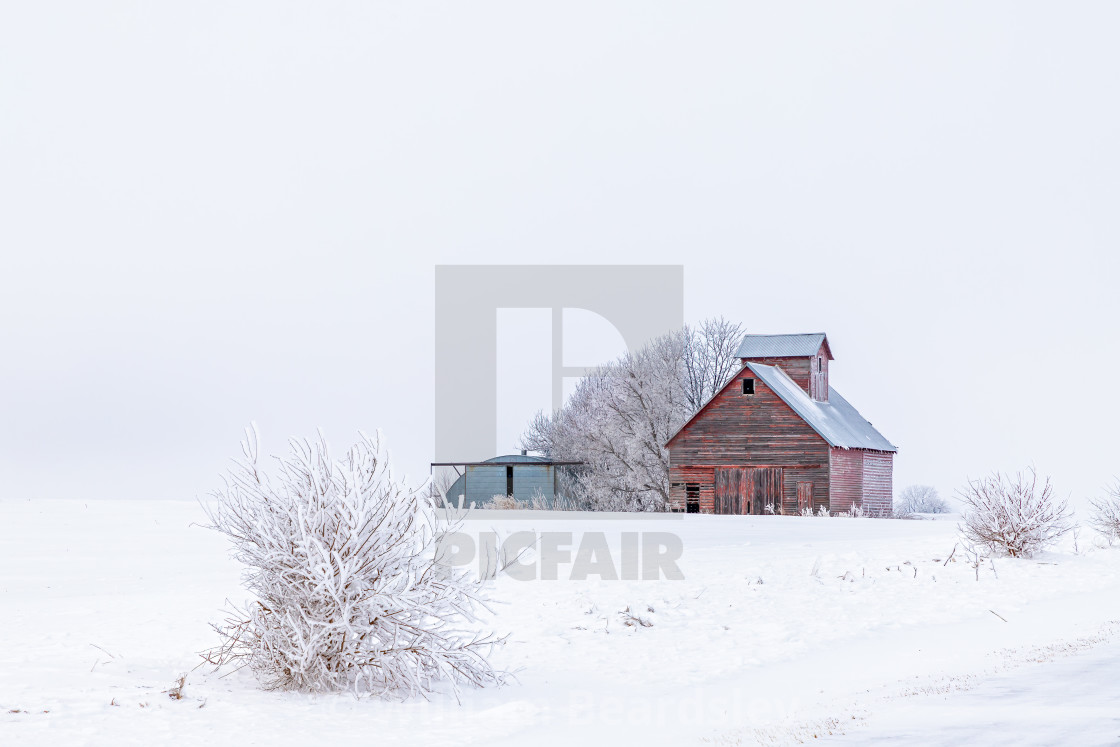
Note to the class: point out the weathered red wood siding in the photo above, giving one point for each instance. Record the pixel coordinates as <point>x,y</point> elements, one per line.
<point>803,370</point>
<point>748,490</point>
<point>818,376</point>
<point>846,478</point>
<point>795,368</point>
<point>760,430</point>
<point>878,489</point>
<point>680,477</point>
<point>862,478</point>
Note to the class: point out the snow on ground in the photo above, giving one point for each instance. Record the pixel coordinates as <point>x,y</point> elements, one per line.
<point>1074,700</point>
<point>784,628</point>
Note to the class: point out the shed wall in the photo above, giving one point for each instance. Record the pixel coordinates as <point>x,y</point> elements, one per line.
<point>483,482</point>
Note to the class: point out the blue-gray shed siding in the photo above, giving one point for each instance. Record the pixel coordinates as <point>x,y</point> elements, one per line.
<point>483,482</point>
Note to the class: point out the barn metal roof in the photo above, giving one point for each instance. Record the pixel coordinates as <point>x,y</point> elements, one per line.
<point>836,421</point>
<point>780,346</point>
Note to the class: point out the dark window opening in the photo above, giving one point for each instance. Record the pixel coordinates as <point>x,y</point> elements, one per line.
<point>819,364</point>
<point>748,386</point>
<point>509,480</point>
<point>692,498</point>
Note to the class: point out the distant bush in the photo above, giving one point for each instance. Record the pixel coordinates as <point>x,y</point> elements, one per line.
<point>349,591</point>
<point>506,502</point>
<point>920,499</point>
<point>1013,516</point>
<point>538,501</point>
<point>1106,514</point>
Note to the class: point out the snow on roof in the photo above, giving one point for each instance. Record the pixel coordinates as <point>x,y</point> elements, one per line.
<point>836,421</point>
<point>528,459</point>
<point>780,346</point>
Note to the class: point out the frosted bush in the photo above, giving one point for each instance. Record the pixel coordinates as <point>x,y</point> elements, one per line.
<point>349,594</point>
<point>558,502</point>
<point>564,503</point>
<point>1106,514</point>
<point>1013,516</point>
<point>506,502</point>
<point>823,513</point>
<point>920,499</point>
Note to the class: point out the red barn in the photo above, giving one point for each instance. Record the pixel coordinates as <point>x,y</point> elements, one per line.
<point>777,434</point>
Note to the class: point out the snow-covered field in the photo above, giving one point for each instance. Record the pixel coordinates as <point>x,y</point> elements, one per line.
<point>784,628</point>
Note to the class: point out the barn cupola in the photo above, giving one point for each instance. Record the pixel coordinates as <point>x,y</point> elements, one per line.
<point>804,358</point>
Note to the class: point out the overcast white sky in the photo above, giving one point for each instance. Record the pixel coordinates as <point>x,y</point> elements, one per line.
<point>216,212</point>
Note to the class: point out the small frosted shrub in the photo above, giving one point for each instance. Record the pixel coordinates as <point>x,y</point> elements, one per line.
<point>503,502</point>
<point>1014,516</point>
<point>1105,517</point>
<point>348,591</point>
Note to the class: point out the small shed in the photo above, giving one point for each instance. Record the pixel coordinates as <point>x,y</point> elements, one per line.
<point>778,438</point>
<point>522,476</point>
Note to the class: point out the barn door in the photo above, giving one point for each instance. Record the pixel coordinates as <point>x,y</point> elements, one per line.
<point>729,490</point>
<point>766,489</point>
<point>719,503</point>
<point>749,500</point>
<point>804,496</point>
<point>738,504</point>
<point>747,490</point>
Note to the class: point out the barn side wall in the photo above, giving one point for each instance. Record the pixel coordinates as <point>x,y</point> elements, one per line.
<point>737,430</point>
<point>878,481</point>
<point>845,478</point>
<point>817,475</point>
<point>862,478</point>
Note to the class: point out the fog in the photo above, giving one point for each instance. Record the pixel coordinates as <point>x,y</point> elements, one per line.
<point>216,213</point>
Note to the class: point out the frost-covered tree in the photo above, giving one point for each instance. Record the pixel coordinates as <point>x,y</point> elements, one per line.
<point>616,422</point>
<point>620,415</point>
<point>920,499</point>
<point>348,592</point>
<point>709,358</point>
<point>1013,516</point>
<point>1105,517</point>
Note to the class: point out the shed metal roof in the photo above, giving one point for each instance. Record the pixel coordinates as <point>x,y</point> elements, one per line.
<point>780,346</point>
<point>836,421</point>
<point>517,458</point>
<point>509,460</point>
